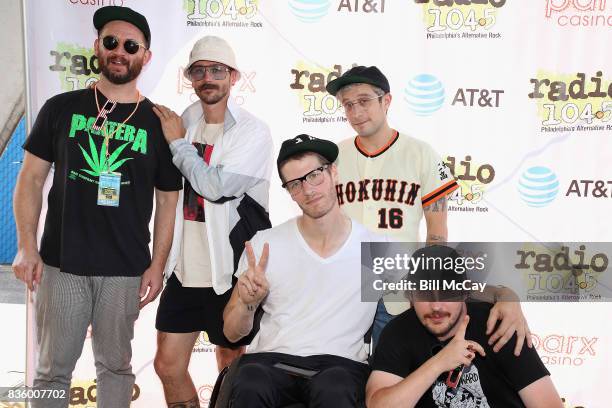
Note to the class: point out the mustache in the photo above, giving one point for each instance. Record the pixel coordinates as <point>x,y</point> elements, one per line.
<point>208,86</point>
<point>436,315</point>
<point>122,60</point>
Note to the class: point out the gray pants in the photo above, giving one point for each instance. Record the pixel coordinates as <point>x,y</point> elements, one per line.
<point>66,305</point>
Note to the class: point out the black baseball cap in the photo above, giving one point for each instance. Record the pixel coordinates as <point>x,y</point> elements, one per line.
<point>112,13</point>
<point>306,143</point>
<point>359,75</point>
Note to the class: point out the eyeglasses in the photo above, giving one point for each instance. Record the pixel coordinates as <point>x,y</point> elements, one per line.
<point>363,103</point>
<point>130,46</point>
<point>198,72</point>
<point>314,178</point>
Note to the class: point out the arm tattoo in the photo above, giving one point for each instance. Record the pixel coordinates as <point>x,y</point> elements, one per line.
<point>437,206</point>
<point>192,403</point>
<point>436,238</point>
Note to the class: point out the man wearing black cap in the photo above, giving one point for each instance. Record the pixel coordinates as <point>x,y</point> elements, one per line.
<point>389,180</point>
<point>304,274</point>
<point>430,356</point>
<point>94,266</point>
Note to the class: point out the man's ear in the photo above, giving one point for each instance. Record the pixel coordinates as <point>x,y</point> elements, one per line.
<point>333,171</point>
<point>234,77</point>
<point>147,57</point>
<point>387,101</point>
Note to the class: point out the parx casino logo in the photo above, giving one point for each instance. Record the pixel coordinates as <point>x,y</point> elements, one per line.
<point>241,91</point>
<point>573,103</point>
<point>579,13</point>
<point>565,349</point>
<point>461,19</point>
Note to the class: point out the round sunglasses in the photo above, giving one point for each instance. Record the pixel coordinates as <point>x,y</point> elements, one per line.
<point>130,46</point>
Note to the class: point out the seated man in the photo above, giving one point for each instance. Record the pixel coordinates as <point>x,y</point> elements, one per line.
<point>307,280</point>
<point>310,280</point>
<point>430,357</point>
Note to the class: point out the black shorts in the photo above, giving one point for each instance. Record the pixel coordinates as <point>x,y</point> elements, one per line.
<point>187,310</point>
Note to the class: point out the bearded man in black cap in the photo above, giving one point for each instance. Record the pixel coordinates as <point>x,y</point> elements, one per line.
<point>94,266</point>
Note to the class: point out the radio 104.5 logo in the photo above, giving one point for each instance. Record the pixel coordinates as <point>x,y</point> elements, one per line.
<point>461,19</point>
<point>573,102</point>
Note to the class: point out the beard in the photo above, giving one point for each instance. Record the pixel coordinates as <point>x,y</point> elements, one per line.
<point>133,70</point>
<point>443,331</point>
<point>211,98</point>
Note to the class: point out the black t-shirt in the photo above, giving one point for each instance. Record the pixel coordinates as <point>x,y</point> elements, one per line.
<point>492,381</point>
<point>80,236</point>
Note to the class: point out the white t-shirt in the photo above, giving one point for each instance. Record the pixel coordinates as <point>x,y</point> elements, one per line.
<point>193,267</point>
<point>314,304</point>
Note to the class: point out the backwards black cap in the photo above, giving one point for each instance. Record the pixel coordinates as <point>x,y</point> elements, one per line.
<point>306,143</point>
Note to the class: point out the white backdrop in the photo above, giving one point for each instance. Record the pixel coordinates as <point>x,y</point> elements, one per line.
<point>472,80</point>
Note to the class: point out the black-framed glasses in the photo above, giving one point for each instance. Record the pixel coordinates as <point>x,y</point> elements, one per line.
<point>110,42</point>
<point>198,72</point>
<point>363,103</point>
<point>314,178</point>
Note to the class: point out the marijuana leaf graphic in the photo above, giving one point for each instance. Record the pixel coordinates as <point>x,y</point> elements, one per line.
<point>98,162</point>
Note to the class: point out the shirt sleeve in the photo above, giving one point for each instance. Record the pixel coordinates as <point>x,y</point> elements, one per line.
<point>246,162</point>
<point>437,179</point>
<point>40,140</point>
<point>168,177</point>
<point>522,370</point>
<point>391,353</point>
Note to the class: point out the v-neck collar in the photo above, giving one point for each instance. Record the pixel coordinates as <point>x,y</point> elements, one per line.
<point>312,253</point>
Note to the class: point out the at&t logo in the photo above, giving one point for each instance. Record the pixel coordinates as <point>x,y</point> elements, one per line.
<point>538,186</point>
<point>309,11</point>
<point>424,94</point>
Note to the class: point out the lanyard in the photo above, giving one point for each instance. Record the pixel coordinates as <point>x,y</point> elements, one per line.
<point>107,136</point>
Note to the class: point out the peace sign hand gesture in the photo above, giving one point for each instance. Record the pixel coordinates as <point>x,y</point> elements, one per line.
<point>252,284</point>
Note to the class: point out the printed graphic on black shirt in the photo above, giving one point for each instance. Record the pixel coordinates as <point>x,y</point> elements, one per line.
<point>80,236</point>
<point>468,394</point>
<point>193,203</point>
<point>93,147</point>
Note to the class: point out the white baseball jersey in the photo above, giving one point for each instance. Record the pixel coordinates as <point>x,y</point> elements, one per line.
<point>387,190</point>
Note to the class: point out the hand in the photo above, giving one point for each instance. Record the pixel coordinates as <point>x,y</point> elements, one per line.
<point>152,279</point>
<point>252,284</point>
<point>459,350</point>
<point>512,320</point>
<point>172,124</point>
<point>28,267</point>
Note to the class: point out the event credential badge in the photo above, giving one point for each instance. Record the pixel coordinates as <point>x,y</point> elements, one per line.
<point>108,189</point>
